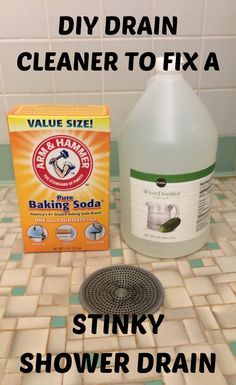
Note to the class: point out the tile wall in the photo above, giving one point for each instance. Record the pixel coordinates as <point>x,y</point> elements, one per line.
<point>203,26</point>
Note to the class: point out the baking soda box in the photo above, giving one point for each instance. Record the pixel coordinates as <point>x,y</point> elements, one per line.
<point>61,161</point>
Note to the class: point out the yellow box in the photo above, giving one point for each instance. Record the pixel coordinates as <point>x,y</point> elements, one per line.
<point>61,159</point>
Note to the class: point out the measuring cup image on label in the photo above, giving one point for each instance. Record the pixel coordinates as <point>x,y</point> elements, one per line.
<point>160,215</point>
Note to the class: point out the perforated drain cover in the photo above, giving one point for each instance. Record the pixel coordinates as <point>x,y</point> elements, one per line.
<point>121,290</point>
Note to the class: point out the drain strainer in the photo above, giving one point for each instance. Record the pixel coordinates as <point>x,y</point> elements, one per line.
<point>121,290</point>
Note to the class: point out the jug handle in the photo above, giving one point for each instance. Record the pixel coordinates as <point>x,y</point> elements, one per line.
<point>176,210</point>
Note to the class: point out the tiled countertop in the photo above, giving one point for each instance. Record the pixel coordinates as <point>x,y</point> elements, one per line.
<point>39,296</point>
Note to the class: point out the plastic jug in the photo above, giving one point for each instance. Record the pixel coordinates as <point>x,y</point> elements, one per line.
<point>167,153</point>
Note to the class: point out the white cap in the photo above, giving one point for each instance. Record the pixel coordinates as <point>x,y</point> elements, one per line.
<point>160,63</point>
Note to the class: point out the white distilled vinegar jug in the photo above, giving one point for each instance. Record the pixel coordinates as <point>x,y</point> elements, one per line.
<point>167,152</point>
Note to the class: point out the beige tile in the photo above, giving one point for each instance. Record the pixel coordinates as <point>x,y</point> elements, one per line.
<point>133,375</point>
<point>56,341</point>
<point>216,378</point>
<point>56,285</point>
<point>34,341</point>
<point>12,379</point>
<point>42,378</point>
<point>129,256</point>
<point>8,323</point>
<point>57,271</point>
<point>12,366</point>
<point>44,259</point>
<point>169,278</point>
<point>145,340</point>
<point>225,359</point>
<point>171,333</point>
<point>199,300</point>
<point>127,342</point>
<point>6,338</point>
<point>74,346</point>
<point>33,323</point>
<point>72,377</point>
<point>207,318</point>
<point>194,331</point>
<point>173,378</point>
<point>207,270</point>
<point>101,344</point>
<point>215,336</point>
<point>198,348</point>
<point>225,315</point>
<point>227,264</point>
<point>180,313</point>
<point>77,276</point>
<point>98,378</point>
<point>15,277</point>
<point>199,286</point>
<point>34,286</point>
<point>226,293</point>
<point>46,299</point>
<point>177,297</point>
<point>52,310</point>
<point>185,269</point>
<point>230,334</point>
<point>214,299</point>
<point>224,278</point>
<point>22,306</point>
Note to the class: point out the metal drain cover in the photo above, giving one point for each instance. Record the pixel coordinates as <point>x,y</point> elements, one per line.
<point>121,290</point>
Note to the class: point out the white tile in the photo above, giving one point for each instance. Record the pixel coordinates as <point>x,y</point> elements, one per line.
<point>181,45</point>
<point>57,8</point>
<point>85,98</point>
<point>226,76</point>
<point>220,17</point>
<point>126,8</point>
<point>34,341</point>
<point>26,19</point>
<point>12,100</point>
<point>17,81</point>
<point>189,22</point>
<point>221,103</point>
<point>77,81</point>
<point>121,105</point>
<point>123,79</point>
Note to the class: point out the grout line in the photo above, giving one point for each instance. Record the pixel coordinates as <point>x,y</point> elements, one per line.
<point>50,48</point>
<point>102,48</point>
<point>202,46</point>
<point>113,39</point>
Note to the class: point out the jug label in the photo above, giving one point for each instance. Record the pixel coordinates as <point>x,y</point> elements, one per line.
<point>170,208</point>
